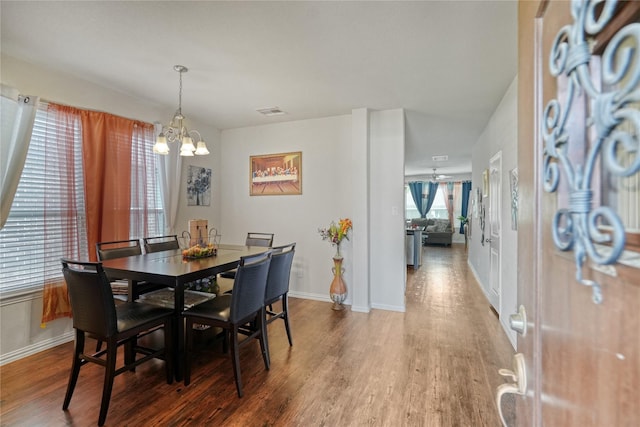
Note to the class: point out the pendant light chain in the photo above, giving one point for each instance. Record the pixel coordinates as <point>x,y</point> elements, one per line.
<point>180,95</point>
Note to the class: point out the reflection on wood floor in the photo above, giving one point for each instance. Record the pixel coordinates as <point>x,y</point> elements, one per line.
<point>435,365</point>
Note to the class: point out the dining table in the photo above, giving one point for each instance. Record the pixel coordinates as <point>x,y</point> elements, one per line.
<point>174,270</point>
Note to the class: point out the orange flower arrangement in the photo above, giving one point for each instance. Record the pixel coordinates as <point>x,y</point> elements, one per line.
<point>335,233</point>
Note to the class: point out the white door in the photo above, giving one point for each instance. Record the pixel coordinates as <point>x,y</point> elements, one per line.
<point>495,191</point>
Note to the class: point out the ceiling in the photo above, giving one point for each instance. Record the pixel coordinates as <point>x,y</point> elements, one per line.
<point>447,63</point>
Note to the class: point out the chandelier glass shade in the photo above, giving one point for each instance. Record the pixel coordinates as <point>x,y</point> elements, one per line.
<point>176,131</point>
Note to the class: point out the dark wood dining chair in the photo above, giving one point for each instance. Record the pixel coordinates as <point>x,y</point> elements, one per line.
<point>233,313</point>
<point>96,314</point>
<point>120,249</point>
<point>120,288</point>
<point>264,240</point>
<point>160,243</point>
<point>278,286</point>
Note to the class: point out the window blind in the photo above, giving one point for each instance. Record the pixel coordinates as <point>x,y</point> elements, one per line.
<point>47,219</point>
<point>27,259</point>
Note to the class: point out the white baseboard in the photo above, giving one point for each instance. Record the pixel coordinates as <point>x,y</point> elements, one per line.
<point>478,281</point>
<point>309,295</point>
<point>36,347</point>
<point>400,308</point>
<point>361,309</point>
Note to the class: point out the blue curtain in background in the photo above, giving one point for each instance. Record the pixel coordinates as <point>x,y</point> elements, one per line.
<point>466,189</point>
<point>433,187</point>
<point>416,192</point>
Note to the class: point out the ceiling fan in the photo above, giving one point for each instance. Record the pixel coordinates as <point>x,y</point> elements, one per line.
<point>436,178</point>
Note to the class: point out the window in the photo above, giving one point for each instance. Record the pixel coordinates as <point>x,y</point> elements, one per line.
<point>438,209</point>
<point>27,259</point>
<point>47,218</point>
<point>146,211</point>
<point>411,211</point>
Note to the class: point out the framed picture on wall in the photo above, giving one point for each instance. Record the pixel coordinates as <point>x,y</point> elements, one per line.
<point>198,186</point>
<point>275,174</point>
<point>485,183</point>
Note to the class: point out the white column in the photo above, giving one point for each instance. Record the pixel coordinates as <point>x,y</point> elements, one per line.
<point>360,289</point>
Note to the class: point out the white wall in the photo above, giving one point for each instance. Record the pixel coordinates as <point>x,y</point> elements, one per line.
<point>20,331</point>
<point>326,189</point>
<point>334,161</point>
<point>499,135</point>
<point>360,138</point>
<point>387,230</point>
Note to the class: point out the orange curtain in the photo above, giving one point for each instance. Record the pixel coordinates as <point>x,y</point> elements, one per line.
<point>55,302</point>
<point>60,166</point>
<point>106,146</point>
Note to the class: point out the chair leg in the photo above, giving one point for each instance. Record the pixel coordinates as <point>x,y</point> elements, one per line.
<point>109,374</point>
<point>235,354</point>
<point>130,353</point>
<point>75,368</point>
<point>98,345</point>
<point>168,349</point>
<point>285,310</point>
<point>264,340</point>
<point>188,350</point>
<point>225,341</point>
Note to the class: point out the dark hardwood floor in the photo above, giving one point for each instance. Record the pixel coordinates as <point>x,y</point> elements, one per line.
<point>435,365</point>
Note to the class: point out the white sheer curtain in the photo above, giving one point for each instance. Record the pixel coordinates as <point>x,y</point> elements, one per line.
<point>447,190</point>
<point>18,115</point>
<point>170,172</point>
<point>146,194</point>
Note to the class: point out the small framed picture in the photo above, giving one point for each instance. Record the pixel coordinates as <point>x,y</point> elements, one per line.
<point>485,183</point>
<point>275,174</point>
<point>198,186</point>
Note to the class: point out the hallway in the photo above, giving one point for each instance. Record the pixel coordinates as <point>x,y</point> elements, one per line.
<point>464,342</point>
<point>435,365</point>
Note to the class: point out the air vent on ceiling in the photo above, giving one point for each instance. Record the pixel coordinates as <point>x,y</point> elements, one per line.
<point>271,111</point>
<point>440,158</point>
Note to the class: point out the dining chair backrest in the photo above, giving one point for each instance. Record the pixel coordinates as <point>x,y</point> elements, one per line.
<point>118,249</point>
<point>94,310</point>
<point>160,243</point>
<point>279,272</point>
<point>259,239</point>
<point>249,286</point>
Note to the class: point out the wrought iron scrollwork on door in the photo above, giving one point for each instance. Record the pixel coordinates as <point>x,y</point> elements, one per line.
<point>577,227</point>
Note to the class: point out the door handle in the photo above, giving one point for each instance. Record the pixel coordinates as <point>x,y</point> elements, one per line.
<point>488,240</point>
<point>518,386</point>
<point>518,321</point>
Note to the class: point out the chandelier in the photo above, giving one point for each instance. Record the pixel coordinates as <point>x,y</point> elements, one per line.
<point>176,131</point>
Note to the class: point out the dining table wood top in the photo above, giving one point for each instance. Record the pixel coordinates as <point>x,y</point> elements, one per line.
<point>172,269</point>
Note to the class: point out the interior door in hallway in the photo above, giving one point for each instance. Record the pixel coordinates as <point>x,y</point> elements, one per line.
<point>581,345</point>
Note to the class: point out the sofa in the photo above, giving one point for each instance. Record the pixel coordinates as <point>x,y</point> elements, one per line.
<point>436,231</point>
